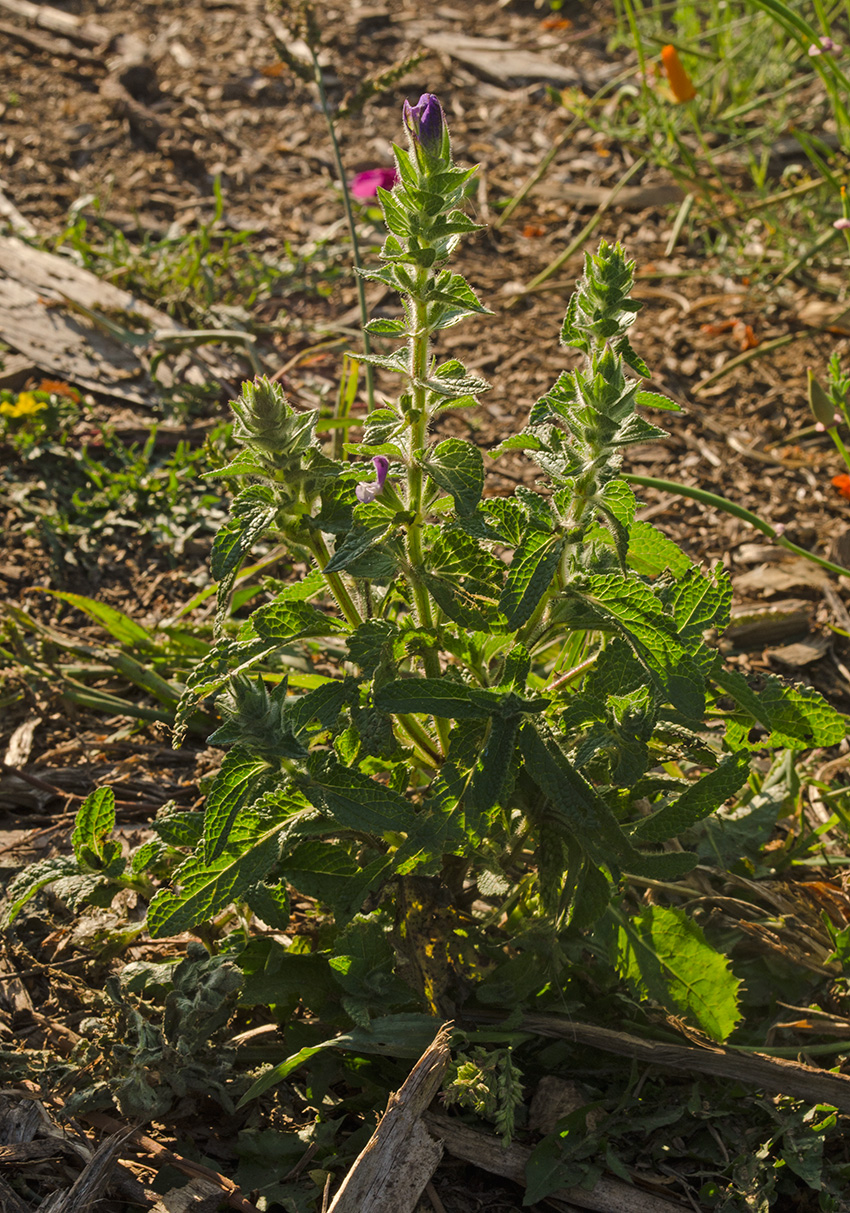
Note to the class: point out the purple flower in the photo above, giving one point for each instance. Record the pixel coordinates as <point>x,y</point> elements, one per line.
<point>368,490</point>
<point>365,185</point>
<point>841,224</point>
<point>426,124</point>
<point>824,46</point>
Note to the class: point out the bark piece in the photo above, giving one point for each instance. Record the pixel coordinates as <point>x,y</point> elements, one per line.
<point>752,627</point>
<point>392,1170</point>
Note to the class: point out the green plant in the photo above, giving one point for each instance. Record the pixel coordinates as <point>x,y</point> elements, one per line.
<point>539,723</point>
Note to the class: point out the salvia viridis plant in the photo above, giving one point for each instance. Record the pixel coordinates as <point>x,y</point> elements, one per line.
<point>466,720</point>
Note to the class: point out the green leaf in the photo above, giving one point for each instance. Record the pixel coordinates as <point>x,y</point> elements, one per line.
<point>652,400</point>
<point>283,621</point>
<point>323,704</point>
<point>206,888</point>
<point>635,611</point>
<point>700,603</point>
<point>356,801</point>
<point>796,716</point>
<point>94,821</point>
<point>617,503</point>
<point>580,811</point>
<point>651,552</point>
<point>30,879</point>
<point>431,697</point>
<point>234,784</point>
<point>458,468</point>
<point>254,511</point>
<point>464,580</point>
<point>666,957</point>
<point>356,543</point>
<point>701,799</point>
<point>120,626</point>
<point>534,565</point>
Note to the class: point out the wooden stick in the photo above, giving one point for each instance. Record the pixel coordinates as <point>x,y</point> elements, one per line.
<point>392,1170</point>
<point>757,1070</point>
<point>608,1195</point>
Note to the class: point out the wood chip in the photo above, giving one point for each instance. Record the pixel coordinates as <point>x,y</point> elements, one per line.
<point>501,62</point>
<point>392,1170</point>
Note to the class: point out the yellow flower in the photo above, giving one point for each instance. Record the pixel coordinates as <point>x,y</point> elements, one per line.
<point>24,406</point>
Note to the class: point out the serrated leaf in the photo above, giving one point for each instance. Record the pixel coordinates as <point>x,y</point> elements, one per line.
<point>206,888</point>
<point>700,603</point>
<point>431,697</point>
<point>534,565</point>
<point>458,468</point>
<point>270,902</point>
<point>95,820</point>
<point>464,579</point>
<point>254,511</point>
<point>702,798</point>
<point>370,642</point>
<point>234,784</point>
<point>653,400</point>
<point>180,829</point>
<point>356,801</point>
<point>282,621</point>
<point>640,618</point>
<point>381,325</point>
<point>356,544</point>
<point>31,879</point>
<point>666,956</point>
<point>796,716</point>
<point>323,704</point>
<point>585,816</point>
<point>637,429</point>
<point>651,552</point>
<point>631,358</point>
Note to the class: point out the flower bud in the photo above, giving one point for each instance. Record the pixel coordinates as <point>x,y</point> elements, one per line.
<point>427,130</point>
<point>823,409</point>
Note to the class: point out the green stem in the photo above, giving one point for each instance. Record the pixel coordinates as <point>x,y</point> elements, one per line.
<point>349,216</point>
<point>418,427</point>
<point>737,511</point>
<point>319,550</point>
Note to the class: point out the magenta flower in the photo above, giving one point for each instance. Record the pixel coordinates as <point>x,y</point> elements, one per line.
<point>841,224</point>
<point>824,46</point>
<point>365,185</point>
<point>368,490</point>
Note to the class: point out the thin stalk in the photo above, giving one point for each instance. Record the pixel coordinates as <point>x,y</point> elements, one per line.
<point>319,550</point>
<point>349,216</point>
<point>416,436</point>
<point>737,511</point>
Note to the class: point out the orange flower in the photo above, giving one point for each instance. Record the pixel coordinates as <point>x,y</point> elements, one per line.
<point>842,483</point>
<point>58,387</point>
<point>681,85</point>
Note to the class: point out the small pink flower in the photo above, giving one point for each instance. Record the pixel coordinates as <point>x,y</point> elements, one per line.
<point>368,490</point>
<point>841,224</point>
<point>365,185</point>
<point>825,47</point>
